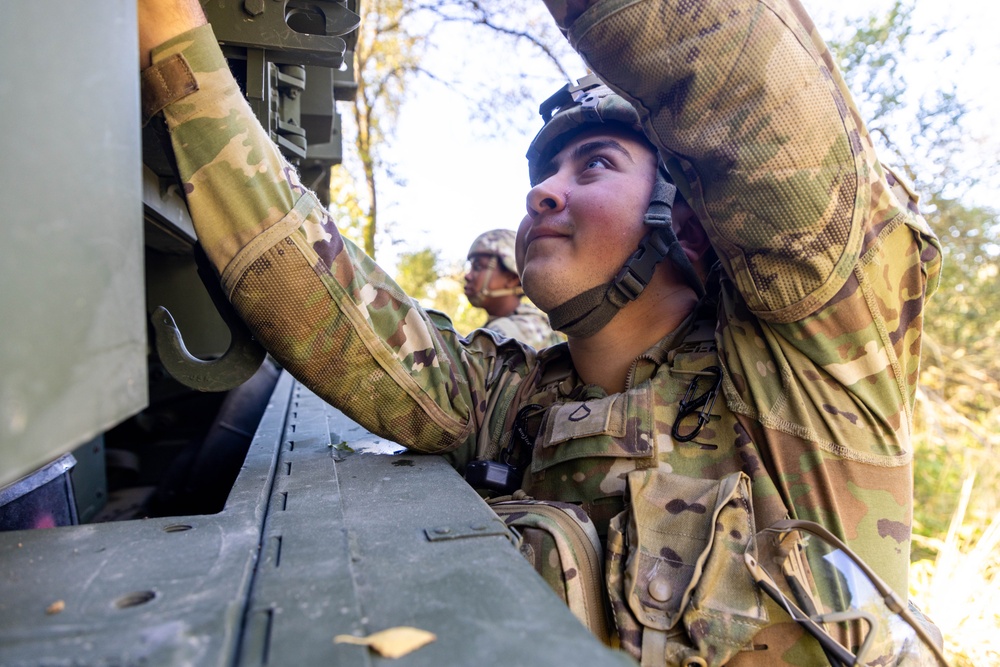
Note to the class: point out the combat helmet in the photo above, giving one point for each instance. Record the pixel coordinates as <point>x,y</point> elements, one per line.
<point>565,114</point>
<point>498,244</point>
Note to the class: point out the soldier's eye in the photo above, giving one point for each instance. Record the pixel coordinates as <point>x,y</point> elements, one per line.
<point>597,163</point>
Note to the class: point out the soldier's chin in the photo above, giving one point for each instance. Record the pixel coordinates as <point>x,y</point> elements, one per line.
<point>543,298</point>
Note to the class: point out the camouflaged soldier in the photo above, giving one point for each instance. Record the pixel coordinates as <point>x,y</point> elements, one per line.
<point>691,412</point>
<point>491,283</point>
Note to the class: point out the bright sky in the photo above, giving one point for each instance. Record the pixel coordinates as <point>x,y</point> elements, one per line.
<point>459,184</point>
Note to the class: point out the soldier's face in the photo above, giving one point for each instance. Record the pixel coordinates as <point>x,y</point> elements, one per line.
<point>485,274</point>
<point>481,268</point>
<point>586,216</point>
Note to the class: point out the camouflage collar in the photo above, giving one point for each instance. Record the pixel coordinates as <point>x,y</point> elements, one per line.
<point>646,364</point>
<point>556,365</point>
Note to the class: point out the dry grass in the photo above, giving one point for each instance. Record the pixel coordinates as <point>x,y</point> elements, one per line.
<point>955,577</point>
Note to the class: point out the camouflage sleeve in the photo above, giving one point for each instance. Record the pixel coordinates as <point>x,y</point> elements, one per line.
<point>323,308</point>
<point>831,259</point>
<point>828,260</point>
<point>757,126</point>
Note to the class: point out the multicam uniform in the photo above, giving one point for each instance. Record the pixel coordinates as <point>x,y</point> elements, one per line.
<point>817,322</point>
<point>527,324</point>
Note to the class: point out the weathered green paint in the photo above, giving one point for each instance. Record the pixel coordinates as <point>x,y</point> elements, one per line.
<point>72,321</point>
<point>344,549</point>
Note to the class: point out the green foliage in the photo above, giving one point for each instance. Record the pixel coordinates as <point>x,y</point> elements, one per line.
<point>391,54</point>
<point>417,272</point>
<point>963,312</point>
<point>387,56</point>
<point>870,60</point>
<point>917,128</point>
<point>523,46</point>
<point>345,205</point>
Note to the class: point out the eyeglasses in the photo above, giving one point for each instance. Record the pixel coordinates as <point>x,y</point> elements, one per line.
<point>832,593</point>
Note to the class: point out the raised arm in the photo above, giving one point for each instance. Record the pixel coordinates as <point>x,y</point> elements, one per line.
<point>757,127</point>
<point>323,308</point>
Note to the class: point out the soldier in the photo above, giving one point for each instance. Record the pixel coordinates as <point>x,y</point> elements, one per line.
<point>693,411</point>
<point>491,283</point>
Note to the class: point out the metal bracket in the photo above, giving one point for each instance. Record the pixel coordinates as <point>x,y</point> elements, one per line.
<point>463,530</point>
<point>306,33</point>
<point>240,361</point>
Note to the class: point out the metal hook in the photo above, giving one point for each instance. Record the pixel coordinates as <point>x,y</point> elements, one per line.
<point>688,405</point>
<point>240,361</point>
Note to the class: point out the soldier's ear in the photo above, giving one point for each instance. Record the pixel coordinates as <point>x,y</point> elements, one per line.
<point>690,233</point>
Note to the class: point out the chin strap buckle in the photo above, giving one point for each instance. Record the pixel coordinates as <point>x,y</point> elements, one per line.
<point>638,270</point>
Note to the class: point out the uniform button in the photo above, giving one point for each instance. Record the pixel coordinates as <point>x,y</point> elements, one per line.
<point>659,589</point>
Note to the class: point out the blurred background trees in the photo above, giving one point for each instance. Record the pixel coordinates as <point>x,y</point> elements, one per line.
<point>392,56</point>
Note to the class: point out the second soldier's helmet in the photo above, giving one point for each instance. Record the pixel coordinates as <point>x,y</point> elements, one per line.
<point>570,111</point>
<point>497,244</point>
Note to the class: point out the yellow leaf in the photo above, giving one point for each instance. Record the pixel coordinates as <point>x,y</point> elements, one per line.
<point>391,643</point>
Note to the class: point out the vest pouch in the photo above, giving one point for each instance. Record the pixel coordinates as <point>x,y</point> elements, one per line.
<point>598,428</point>
<point>560,541</point>
<point>680,590</point>
<point>584,448</point>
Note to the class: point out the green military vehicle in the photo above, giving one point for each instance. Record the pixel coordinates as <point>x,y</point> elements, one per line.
<point>199,506</point>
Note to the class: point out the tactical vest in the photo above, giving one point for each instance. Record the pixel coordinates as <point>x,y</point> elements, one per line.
<point>638,508</point>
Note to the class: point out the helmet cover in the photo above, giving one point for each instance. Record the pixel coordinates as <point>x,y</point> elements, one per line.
<point>571,110</point>
<point>498,243</point>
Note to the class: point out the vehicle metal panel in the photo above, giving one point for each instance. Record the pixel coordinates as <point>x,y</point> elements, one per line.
<point>345,523</point>
<point>72,322</point>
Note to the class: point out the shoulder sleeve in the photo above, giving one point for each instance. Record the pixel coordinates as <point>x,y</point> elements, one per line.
<point>829,257</point>
<point>757,127</point>
<point>505,326</point>
<point>323,308</point>
<point>526,325</point>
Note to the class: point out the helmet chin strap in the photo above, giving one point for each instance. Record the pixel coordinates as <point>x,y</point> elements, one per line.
<point>486,293</point>
<point>587,313</point>
<point>506,291</point>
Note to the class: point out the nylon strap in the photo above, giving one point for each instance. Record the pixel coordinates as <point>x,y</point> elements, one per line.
<point>587,313</point>
<point>584,314</point>
<point>165,82</point>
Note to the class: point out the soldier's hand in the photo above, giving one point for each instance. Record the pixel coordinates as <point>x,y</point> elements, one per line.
<point>159,20</point>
